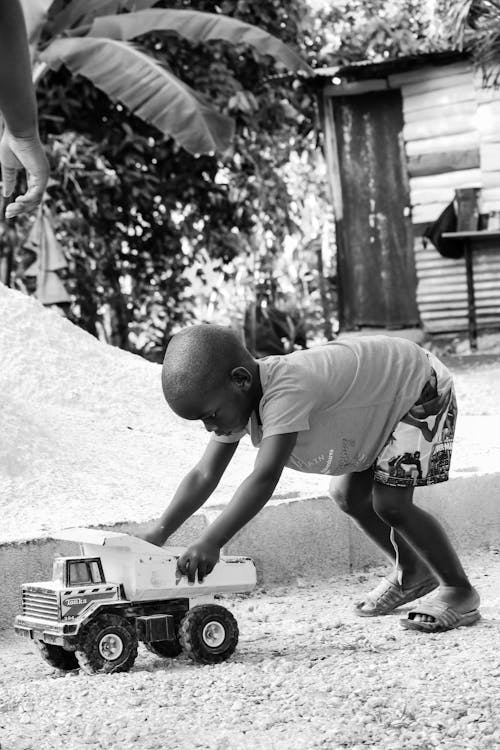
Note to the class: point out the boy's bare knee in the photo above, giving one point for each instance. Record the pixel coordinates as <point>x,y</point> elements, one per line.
<point>352,492</point>
<point>342,497</point>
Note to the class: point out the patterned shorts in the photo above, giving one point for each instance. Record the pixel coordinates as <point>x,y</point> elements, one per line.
<point>418,452</point>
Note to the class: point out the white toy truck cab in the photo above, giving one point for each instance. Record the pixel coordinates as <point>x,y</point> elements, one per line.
<point>122,590</point>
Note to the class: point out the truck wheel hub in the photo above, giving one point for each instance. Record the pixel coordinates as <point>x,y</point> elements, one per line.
<point>110,646</point>
<point>214,634</point>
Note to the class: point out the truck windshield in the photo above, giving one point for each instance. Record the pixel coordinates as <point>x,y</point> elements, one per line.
<point>83,571</point>
<point>79,573</point>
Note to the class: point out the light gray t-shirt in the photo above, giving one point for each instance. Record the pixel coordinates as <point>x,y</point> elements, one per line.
<point>343,399</point>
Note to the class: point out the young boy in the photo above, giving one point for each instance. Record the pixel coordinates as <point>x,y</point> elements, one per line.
<point>377,413</point>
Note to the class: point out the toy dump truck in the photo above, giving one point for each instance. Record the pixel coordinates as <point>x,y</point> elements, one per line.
<point>122,590</point>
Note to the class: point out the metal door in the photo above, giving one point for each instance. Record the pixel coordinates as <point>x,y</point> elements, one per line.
<point>376,263</point>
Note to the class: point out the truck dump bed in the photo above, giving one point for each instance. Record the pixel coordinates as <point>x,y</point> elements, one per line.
<point>149,572</point>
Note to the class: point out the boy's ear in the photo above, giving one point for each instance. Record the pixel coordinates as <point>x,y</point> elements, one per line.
<point>242,378</point>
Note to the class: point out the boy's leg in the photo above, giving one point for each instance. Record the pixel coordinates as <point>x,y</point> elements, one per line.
<point>425,535</point>
<point>353,494</point>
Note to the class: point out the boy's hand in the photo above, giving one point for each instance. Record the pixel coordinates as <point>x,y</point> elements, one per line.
<point>201,557</point>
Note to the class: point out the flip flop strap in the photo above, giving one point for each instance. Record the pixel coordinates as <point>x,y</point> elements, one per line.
<point>385,594</point>
<point>443,614</point>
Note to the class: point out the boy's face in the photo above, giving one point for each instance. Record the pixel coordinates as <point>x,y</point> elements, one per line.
<point>224,411</point>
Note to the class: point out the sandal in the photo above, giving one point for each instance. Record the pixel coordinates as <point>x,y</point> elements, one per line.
<point>387,596</point>
<point>446,617</point>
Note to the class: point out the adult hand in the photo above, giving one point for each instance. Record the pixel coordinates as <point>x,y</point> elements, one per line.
<point>23,153</point>
<point>201,557</point>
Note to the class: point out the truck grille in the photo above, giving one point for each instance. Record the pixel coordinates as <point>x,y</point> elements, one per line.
<point>40,604</point>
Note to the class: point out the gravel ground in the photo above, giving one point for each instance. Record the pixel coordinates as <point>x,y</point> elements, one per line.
<point>83,422</point>
<point>307,674</point>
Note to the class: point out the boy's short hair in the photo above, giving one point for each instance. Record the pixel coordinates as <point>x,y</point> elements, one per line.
<point>199,360</point>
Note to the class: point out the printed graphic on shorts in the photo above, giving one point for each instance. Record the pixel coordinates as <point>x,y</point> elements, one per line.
<point>419,450</point>
<point>439,464</point>
<point>428,417</point>
<point>407,465</point>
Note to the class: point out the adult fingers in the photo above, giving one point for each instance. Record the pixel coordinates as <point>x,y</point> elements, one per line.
<point>25,203</point>
<point>26,153</point>
<point>9,179</point>
<point>10,165</point>
<point>31,198</point>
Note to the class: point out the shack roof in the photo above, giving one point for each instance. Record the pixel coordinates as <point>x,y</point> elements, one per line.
<point>364,69</point>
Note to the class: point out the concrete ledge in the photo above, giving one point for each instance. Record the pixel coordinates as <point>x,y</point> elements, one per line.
<point>307,538</point>
<point>312,538</point>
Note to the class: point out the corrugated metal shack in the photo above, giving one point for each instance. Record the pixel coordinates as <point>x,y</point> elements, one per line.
<point>400,137</point>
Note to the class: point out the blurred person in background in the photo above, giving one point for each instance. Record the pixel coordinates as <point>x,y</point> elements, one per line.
<point>20,145</point>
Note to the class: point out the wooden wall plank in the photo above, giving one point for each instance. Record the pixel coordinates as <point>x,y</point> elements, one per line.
<point>431,77</point>
<point>426,213</point>
<point>431,195</point>
<point>490,179</point>
<point>493,137</point>
<point>438,98</point>
<point>491,194</point>
<point>458,179</point>
<point>456,142</point>
<point>431,112</point>
<point>444,126</point>
<point>488,207</point>
<point>490,156</point>
<point>488,119</point>
<point>490,109</point>
<point>490,199</point>
<point>420,165</point>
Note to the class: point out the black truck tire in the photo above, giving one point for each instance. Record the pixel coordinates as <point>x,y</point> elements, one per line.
<point>167,649</point>
<point>208,634</point>
<point>107,644</point>
<point>57,656</point>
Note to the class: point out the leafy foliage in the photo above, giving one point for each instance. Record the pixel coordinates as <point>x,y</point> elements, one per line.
<point>352,30</point>
<point>474,25</point>
<point>155,236</point>
<point>97,46</point>
<point>140,217</point>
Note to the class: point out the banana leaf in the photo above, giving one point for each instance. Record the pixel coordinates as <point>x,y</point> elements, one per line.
<point>198,27</point>
<point>145,87</point>
<point>84,11</point>
<point>35,14</point>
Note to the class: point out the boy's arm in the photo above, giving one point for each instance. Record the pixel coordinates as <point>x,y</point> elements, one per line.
<point>193,491</point>
<point>249,498</point>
